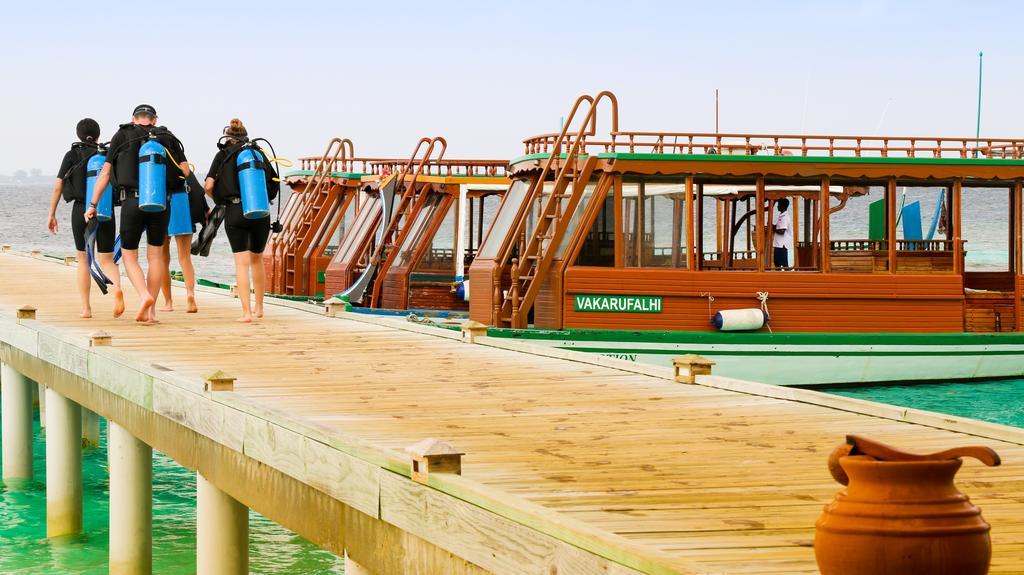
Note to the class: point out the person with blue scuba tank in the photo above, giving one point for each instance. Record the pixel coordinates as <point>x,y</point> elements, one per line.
<point>72,179</point>
<point>145,162</point>
<point>181,226</point>
<point>243,180</point>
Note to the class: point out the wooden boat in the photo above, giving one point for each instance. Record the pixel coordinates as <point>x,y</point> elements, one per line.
<point>631,245</point>
<point>394,233</point>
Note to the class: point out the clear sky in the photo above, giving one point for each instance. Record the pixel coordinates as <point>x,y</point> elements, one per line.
<point>488,74</point>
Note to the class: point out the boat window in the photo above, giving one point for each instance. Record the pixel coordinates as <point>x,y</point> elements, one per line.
<point>504,219</point>
<point>986,228</point>
<point>347,220</point>
<point>417,229</point>
<point>598,247</point>
<point>481,211</point>
<point>358,230</point>
<point>574,219</point>
<point>654,224</point>
<point>857,230</point>
<point>440,257</point>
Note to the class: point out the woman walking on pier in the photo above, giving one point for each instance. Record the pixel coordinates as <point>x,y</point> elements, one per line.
<point>71,184</point>
<point>181,227</point>
<point>246,234</point>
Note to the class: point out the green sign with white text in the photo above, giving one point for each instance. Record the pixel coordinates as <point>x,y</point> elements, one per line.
<point>618,303</point>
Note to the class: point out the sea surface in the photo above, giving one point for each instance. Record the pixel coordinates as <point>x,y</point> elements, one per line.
<point>23,208</point>
<point>25,550</point>
<point>994,401</point>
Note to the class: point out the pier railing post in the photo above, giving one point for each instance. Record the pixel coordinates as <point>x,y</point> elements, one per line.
<point>16,403</point>
<point>472,330</point>
<point>222,532</point>
<point>131,503</point>
<point>434,456</point>
<point>693,365</point>
<point>63,465</point>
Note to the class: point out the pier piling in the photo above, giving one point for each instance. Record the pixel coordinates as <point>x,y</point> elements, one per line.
<point>131,503</point>
<point>353,568</point>
<point>16,403</point>
<point>90,429</point>
<point>222,532</point>
<point>42,405</point>
<point>63,465</point>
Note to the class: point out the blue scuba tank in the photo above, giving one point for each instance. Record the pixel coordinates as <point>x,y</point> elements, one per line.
<point>252,184</point>
<point>152,177</point>
<point>104,209</point>
<point>180,223</point>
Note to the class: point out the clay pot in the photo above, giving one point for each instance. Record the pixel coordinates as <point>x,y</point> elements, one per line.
<point>901,518</point>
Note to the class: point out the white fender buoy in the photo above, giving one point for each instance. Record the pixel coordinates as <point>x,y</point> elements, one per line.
<point>740,319</point>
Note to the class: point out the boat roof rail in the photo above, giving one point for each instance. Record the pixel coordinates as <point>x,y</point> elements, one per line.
<point>703,143</point>
<point>432,167</point>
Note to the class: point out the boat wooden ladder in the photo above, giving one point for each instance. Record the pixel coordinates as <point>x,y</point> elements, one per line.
<point>319,203</point>
<point>302,211</point>
<point>403,213</point>
<point>536,252</point>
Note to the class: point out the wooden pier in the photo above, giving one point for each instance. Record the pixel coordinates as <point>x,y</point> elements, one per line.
<point>573,463</point>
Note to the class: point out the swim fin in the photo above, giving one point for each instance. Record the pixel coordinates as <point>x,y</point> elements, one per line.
<point>198,206</point>
<point>204,240</point>
<point>90,256</point>
<point>117,249</point>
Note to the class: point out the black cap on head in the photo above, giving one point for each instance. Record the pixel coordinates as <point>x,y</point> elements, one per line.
<point>88,130</point>
<point>144,109</point>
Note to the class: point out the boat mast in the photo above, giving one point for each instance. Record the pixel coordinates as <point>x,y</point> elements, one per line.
<point>977,128</point>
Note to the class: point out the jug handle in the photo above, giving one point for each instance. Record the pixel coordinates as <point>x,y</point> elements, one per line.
<point>879,450</point>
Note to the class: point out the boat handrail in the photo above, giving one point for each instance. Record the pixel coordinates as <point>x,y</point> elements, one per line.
<point>856,245</point>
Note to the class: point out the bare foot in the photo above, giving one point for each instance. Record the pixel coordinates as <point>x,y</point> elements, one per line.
<point>258,311</point>
<point>86,313</point>
<point>168,306</point>
<point>118,302</point>
<point>245,319</point>
<point>146,309</point>
<point>192,308</point>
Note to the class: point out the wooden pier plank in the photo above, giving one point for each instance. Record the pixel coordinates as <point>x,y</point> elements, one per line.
<point>722,481</point>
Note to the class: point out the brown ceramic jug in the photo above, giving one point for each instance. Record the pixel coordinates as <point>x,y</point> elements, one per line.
<point>901,514</point>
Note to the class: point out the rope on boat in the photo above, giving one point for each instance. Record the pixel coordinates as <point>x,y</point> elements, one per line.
<point>418,319</point>
<point>711,300</point>
<point>762,296</point>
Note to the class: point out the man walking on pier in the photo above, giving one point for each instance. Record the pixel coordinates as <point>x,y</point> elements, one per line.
<point>123,165</point>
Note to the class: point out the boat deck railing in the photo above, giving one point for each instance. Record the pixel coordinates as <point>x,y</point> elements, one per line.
<point>433,167</point>
<point>901,245</point>
<point>792,145</point>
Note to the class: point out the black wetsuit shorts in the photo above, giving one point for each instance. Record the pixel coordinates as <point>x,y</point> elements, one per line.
<point>104,233</point>
<point>245,235</point>
<point>135,221</point>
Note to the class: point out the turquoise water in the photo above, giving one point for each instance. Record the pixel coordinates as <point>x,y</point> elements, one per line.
<point>24,549</point>
<point>994,401</point>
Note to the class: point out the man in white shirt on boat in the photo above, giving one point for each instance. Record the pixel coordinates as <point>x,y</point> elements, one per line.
<point>783,235</point>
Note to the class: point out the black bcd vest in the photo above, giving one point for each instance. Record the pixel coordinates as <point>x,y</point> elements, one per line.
<point>125,159</point>
<point>73,182</point>
<point>226,185</point>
